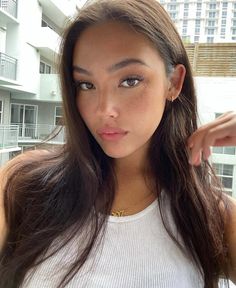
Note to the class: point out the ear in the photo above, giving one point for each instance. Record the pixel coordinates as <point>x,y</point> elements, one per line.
<point>176,82</point>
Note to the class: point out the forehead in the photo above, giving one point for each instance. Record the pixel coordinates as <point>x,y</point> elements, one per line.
<point>112,39</point>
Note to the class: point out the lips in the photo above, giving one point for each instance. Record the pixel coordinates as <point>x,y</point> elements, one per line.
<point>111,133</point>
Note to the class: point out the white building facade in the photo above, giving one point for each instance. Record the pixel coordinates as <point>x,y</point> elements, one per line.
<point>30,99</point>
<point>203,21</point>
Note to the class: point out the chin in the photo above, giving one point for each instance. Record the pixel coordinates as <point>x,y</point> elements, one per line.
<point>116,154</point>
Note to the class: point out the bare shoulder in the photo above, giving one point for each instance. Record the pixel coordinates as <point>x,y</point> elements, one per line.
<point>5,171</point>
<point>230,230</point>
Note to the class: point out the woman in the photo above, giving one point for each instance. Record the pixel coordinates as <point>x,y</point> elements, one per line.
<point>128,201</point>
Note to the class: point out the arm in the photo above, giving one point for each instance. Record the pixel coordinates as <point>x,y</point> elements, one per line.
<point>220,132</point>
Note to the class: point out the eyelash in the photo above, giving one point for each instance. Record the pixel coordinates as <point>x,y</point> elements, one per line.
<point>135,77</point>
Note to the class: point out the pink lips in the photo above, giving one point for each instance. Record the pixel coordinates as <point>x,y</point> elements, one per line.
<point>111,134</point>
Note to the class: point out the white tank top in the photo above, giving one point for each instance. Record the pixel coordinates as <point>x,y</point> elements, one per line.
<point>136,252</point>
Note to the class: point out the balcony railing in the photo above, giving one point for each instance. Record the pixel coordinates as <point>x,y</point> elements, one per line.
<point>10,6</point>
<point>41,132</point>
<point>8,136</point>
<point>7,66</point>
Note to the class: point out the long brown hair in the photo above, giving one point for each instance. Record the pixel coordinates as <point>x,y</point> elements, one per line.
<point>57,192</point>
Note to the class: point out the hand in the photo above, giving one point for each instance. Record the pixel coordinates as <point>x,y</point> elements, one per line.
<point>220,132</point>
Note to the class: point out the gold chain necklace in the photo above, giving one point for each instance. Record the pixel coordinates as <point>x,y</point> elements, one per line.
<point>121,212</point>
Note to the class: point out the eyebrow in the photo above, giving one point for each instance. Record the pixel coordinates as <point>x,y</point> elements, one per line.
<point>122,64</point>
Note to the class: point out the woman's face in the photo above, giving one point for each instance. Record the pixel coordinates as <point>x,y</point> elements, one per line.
<point>122,87</point>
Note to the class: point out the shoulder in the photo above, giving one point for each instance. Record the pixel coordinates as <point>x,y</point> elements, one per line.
<point>230,234</point>
<point>6,171</point>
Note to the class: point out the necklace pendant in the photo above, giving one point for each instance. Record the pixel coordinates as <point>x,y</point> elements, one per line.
<point>118,213</point>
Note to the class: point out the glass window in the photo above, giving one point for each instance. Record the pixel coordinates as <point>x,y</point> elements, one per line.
<point>210,39</point>
<point>212,14</point>
<point>196,39</point>
<point>211,23</point>
<point>41,68</point>
<point>212,6</point>
<point>199,6</point>
<point>197,31</point>
<point>223,22</point>
<point>173,15</point>
<point>185,13</point>
<point>58,115</point>
<point>198,14</point>
<point>224,14</point>
<point>210,31</point>
<point>225,174</point>
<point>1,111</point>
<point>222,31</point>
<point>225,4</point>
<point>45,68</point>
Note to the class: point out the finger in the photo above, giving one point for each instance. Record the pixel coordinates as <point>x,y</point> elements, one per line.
<point>224,131</point>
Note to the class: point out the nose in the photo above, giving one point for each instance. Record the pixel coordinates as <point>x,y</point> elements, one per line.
<point>107,105</point>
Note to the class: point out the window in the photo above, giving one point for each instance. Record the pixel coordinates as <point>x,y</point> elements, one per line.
<point>184,31</point>
<point>185,14</point>
<point>210,31</point>
<point>197,22</point>
<point>196,39</point>
<point>45,68</point>
<point>210,39</point>
<point>222,31</point>
<point>234,23</point>
<point>186,5</point>
<point>224,150</point>
<point>199,6</point>
<point>173,15</point>
<point>58,116</point>
<point>212,14</point>
<point>224,14</point>
<point>223,22</point>
<point>224,4</point>
<point>171,7</point>
<point>1,111</point>
<point>211,23</point>
<point>212,6</point>
<point>225,173</point>
<point>234,31</point>
<point>197,30</point>
<point>198,14</point>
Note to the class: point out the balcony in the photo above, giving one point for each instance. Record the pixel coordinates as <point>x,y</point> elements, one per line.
<point>49,88</point>
<point>38,133</point>
<point>9,138</point>
<point>47,42</point>
<point>8,66</point>
<point>58,11</point>
<point>8,12</point>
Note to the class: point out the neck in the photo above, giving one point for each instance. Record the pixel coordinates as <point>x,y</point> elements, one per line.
<point>134,188</point>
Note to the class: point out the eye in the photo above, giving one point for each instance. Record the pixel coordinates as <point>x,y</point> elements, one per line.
<point>131,82</point>
<point>84,85</point>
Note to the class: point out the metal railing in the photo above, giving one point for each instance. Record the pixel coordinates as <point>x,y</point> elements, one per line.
<point>40,133</point>
<point>10,6</point>
<point>7,66</point>
<point>8,136</point>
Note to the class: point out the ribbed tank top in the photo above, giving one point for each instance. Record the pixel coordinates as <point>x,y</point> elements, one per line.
<point>136,252</point>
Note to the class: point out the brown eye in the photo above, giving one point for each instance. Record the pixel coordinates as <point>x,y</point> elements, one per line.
<point>85,86</point>
<point>131,82</point>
